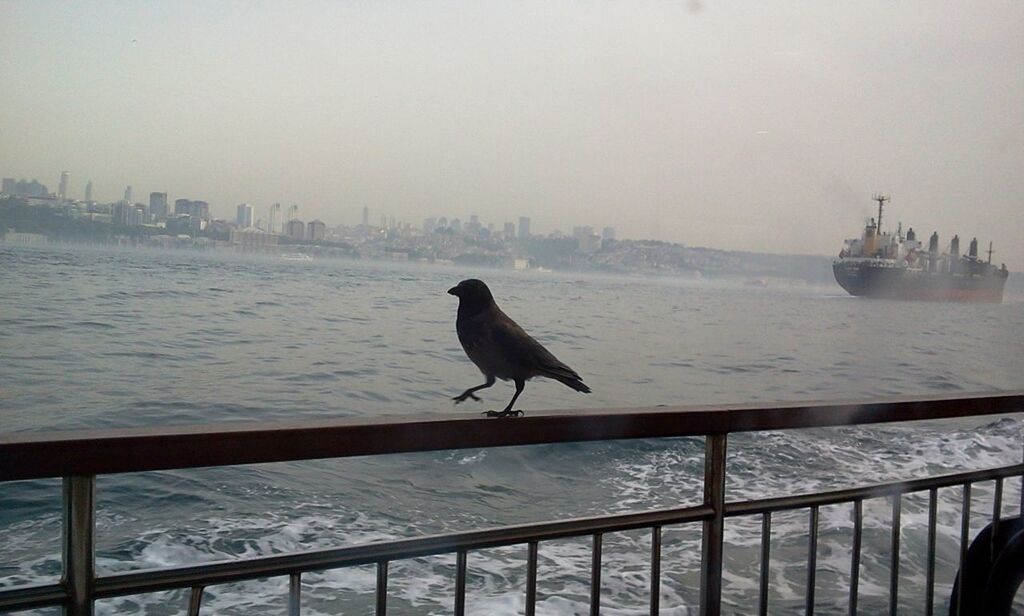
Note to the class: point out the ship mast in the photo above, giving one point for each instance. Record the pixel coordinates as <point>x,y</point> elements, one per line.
<point>990,251</point>
<point>881,199</point>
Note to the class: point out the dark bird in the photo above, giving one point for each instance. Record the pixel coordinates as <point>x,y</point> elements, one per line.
<point>500,348</point>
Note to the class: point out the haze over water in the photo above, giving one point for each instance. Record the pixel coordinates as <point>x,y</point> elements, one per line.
<point>107,337</point>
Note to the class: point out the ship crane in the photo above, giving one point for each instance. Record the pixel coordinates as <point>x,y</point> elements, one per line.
<point>881,199</point>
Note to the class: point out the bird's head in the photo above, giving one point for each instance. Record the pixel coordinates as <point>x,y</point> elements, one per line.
<point>473,295</point>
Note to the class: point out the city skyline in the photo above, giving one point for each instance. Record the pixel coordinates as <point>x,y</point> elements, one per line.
<point>748,128</point>
<point>158,206</point>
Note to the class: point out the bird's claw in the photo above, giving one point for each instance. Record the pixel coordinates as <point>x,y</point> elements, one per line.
<point>462,398</point>
<point>505,413</point>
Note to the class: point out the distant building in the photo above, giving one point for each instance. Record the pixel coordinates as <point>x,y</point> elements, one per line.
<point>524,227</point>
<point>62,190</point>
<point>198,210</point>
<point>608,233</point>
<point>201,210</point>
<point>589,243</point>
<point>179,223</point>
<point>243,216</point>
<point>88,191</point>
<point>253,239</point>
<point>128,193</point>
<point>23,188</point>
<point>135,215</point>
<point>119,213</point>
<point>316,230</point>
<point>13,237</point>
<point>582,232</point>
<point>366,216</point>
<point>429,225</point>
<point>158,205</point>
<point>295,229</point>
<point>274,221</point>
<point>456,225</point>
<point>510,231</point>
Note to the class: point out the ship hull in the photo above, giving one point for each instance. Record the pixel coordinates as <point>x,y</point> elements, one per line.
<point>866,279</point>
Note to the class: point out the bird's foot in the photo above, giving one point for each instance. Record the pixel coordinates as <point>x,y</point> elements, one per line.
<point>462,397</point>
<point>505,413</point>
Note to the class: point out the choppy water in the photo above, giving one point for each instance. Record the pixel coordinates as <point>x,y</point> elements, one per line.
<point>103,338</point>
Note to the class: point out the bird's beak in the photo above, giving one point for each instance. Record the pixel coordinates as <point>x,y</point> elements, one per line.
<point>453,291</point>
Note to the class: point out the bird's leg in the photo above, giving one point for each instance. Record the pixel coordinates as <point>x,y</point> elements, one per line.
<point>469,392</point>
<point>508,412</point>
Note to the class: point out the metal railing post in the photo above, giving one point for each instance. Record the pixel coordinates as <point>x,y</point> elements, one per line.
<point>714,528</point>
<point>79,558</point>
<point>195,600</point>
<point>294,594</point>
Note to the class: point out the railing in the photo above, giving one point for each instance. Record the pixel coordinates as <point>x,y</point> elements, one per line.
<point>79,456</point>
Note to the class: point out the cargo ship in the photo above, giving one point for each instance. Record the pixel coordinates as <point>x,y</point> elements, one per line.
<point>880,264</point>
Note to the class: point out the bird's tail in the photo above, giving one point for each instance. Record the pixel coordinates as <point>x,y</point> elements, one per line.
<point>566,376</point>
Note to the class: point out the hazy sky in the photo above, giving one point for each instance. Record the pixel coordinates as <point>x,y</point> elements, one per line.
<point>745,125</point>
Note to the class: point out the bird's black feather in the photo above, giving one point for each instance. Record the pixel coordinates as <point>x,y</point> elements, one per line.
<point>500,348</point>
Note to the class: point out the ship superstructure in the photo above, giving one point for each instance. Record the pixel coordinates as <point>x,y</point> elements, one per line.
<point>895,265</point>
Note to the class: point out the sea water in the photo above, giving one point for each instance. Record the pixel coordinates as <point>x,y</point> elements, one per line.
<point>104,338</point>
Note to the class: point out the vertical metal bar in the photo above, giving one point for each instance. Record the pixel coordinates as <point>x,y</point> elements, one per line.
<point>655,570</point>
<point>997,514</point>
<point>714,529</point>
<point>965,532</point>
<point>195,600</point>
<point>460,583</point>
<point>894,557</point>
<point>929,584</point>
<point>79,557</point>
<point>382,588</point>
<point>766,547</point>
<point>595,576</point>
<point>531,579</point>
<point>294,594</point>
<point>858,533</point>
<point>812,560</point>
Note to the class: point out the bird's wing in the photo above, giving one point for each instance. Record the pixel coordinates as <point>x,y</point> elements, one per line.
<point>520,348</point>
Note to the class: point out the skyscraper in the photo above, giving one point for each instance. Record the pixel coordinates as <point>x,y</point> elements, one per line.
<point>88,191</point>
<point>366,216</point>
<point>274,223</point>
<point>524,227</point>
<point>128,193</point>
<point>295,229</point>
<point>510,231</point>
<point>316,230</point>
<point>10,186</point>
<point>62,190</point>
<point>243,217</point>
<point>200,210</point>
<point>608,233</point>
<point>158,205</point>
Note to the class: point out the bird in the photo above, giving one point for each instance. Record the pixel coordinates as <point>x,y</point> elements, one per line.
<point>501,349</point>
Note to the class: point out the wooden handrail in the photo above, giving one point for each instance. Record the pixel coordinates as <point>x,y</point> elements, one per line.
<point>34,455</point>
